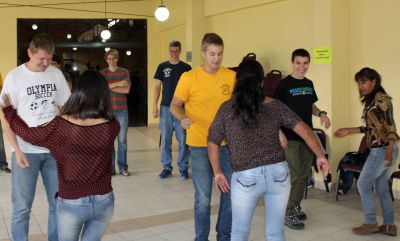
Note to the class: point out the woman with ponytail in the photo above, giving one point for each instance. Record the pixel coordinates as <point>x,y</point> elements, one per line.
<point>250,124</point>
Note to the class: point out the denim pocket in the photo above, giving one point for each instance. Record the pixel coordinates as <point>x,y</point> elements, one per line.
<point>246,184</point>
<point>280,172</point>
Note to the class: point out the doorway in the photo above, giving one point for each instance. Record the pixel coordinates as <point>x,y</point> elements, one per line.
<point>80,45</point>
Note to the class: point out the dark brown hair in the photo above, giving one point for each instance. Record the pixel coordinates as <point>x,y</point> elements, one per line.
<point>211,39</point>
<point>368,74</point>
<point>90,98</point>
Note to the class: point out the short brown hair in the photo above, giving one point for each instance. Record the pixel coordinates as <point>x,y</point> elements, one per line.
<point>41,41</point>
<point>175,43</point>
<point>112,52</point>
<point>211,39</point>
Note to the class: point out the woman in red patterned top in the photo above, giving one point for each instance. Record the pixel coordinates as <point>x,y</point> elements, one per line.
<point>81,139</point>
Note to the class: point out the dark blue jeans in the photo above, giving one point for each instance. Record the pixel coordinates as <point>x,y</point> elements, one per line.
<point>3,161</point>
<point>202,176</point>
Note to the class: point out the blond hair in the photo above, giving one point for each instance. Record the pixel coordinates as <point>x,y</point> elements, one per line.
<point>112,52</point>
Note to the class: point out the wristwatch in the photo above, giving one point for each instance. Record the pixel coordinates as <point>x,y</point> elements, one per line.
<point>322,112</point>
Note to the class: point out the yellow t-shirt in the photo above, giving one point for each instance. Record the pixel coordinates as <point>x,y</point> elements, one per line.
<point>203,94</point>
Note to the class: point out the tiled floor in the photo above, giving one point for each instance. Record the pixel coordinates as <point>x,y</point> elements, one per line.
<point>150,209</point>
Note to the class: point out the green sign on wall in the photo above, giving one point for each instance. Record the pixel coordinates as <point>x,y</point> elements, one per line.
<point>322,55</point>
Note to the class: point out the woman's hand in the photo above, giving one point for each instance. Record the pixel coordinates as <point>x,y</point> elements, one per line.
<point>221,183</point>
<point>389,156</point>
<point>342,132</point>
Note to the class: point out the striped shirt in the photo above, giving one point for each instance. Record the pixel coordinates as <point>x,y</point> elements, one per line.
<point>119,101</point>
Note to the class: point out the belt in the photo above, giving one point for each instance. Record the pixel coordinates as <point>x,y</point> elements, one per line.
<point>383,145</point>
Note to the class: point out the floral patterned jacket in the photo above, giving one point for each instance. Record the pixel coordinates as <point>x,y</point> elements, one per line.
<point>378,116</point>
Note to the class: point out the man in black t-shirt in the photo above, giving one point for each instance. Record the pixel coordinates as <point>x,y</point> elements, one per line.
<point>298,93</point>
<point>167,76</point>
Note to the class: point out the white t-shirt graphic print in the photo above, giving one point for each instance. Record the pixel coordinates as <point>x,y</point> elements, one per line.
<point>37,96</point>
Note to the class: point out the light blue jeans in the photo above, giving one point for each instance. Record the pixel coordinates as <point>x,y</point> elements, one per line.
<point>376,174</point>
<point>202,176</point>
<point>271,182</point>
<point>23,191</point>
<point>88,216</point>
<point>122,117</point>
<point>168,123</point>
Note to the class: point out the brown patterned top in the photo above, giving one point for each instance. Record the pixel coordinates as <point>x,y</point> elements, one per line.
<point>255,146</point>
<point>379,120</point>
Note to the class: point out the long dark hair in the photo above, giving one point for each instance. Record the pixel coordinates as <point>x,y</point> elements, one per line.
<point>368,74</point>
<point>90,98</point>
<point>248,95</point>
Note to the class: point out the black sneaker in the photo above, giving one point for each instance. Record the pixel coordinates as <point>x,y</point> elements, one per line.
<point>165,173</point>
<point>184,174</point>
<point>299,213</point>
<point>5,169</point>
<point>291,221</point>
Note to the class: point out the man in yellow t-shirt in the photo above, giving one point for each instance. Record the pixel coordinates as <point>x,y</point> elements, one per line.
<point>202,91</point>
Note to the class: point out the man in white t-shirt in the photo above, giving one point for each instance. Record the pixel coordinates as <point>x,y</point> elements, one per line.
<point>37,90</point>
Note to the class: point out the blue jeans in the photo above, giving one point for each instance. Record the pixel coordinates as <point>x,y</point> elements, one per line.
<point>202,176</point>
<point>168,123</point>
<point>23,191</point>
<point>376,174</point>
<point>271,182</point>
<point>122,117</point>
<point>89,216</point>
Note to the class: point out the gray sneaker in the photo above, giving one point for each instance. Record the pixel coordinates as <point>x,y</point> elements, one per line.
<point>299,213</point>
<point>291,221</point>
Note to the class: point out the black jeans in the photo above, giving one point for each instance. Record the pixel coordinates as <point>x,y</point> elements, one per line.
<point>3,160</point>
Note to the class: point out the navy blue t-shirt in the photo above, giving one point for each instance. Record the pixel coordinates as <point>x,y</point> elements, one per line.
<point>299,95</point>
<point>169,75</point>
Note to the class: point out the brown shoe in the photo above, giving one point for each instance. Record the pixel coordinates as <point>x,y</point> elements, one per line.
<point>388,229</point>
<point>366,229</point>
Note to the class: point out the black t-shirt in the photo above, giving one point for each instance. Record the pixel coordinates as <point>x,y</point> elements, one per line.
<point>299,95</point>
<point>169,75</point>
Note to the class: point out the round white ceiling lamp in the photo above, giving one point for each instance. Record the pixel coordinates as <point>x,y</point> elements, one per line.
<point>128,52</point>
<point>106,49</point>
<point>161,13</point>
<point>69,36</point>
<point>105,34</point>
<point>74,48</point>
<point>34,26</point>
